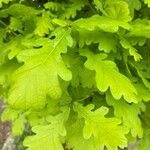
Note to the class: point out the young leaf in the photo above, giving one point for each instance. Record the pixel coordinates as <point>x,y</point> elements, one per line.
<point>132,51</point>
<point>15,24</point>
<point>52,6</point>
<point>129,115</point>
<point>75,137</point>
<point>107,41</point>
<point>43,25</point>
<point>102,129</point>
<point>108,76</point>
<point>70,10</point>
<point>103,23</point>
<point>38,77</point>
<point>118,10</point>
<point>48,136</point>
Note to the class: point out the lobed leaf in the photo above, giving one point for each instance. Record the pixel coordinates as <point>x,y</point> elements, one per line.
<point>108,76</point>
<point>38,77</point>
<point>101,129</point>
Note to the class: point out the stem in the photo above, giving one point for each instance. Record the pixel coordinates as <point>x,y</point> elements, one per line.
<point>5,25</point>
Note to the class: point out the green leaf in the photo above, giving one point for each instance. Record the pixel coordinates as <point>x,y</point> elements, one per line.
<point>144,143</point>
<point>70,10</point>
<point>87,78</point>
<point>75,137</point>
<point>60,22</point>
<point>52,6</point>
<point>39,117</point>
<point>143,75</point>
<point>54,53</point>
<point>147,2</point>
<point>133,5</point>
<point>140,28</point>
<point>10,114</point>
<point>102,129</point>
<point>18,120</point>
<point>14,47</point>
<point>48,136</point>
<point>107,41</point>
<point>38,77</point>
<point>132,51</point>
<point>108,76</point>
<point>118,10</point>
<point>43,25</point>
<point>103,23</point>
<point>143,92</point>
<point>19,10</point>
<point>4,2</point>
<point>75,64</point>
<point>129,115</point>
<point>100,5</point>
<point>15,24</point>
<point>80,74</point>
<point>18,126</point>
<point>6,71</point>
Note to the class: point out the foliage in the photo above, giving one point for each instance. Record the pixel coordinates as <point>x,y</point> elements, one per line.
<point>76,72</point>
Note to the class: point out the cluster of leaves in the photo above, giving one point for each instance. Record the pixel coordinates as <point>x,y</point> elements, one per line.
<point>77,72</point>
